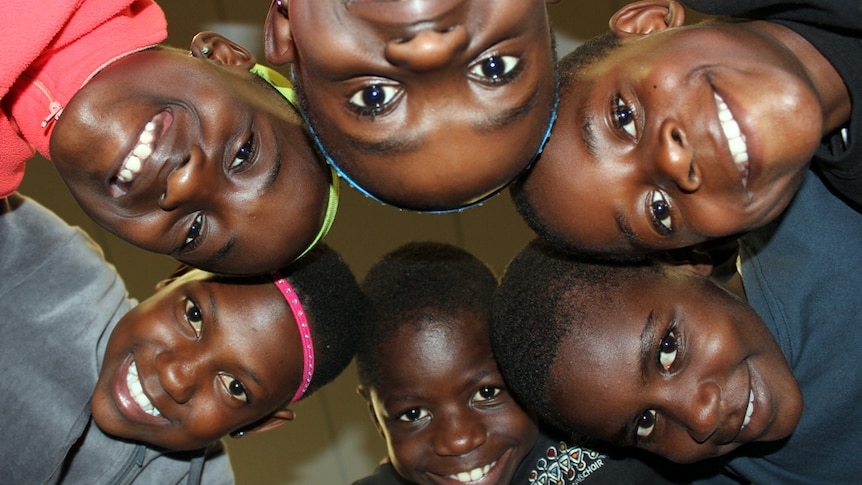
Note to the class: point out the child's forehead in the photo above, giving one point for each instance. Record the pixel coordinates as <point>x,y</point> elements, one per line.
<point>438,341</point>
<point>442,330</point>
<point>434,362</point>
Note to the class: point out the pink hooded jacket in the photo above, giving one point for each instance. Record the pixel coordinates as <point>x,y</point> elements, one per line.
<point>50,50</point>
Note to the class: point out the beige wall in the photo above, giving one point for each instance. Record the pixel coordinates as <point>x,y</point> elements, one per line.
<point>332,439</point>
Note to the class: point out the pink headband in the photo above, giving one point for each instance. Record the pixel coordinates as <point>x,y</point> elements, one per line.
<point>304,333</point>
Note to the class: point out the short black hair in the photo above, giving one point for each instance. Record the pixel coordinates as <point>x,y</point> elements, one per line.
<point>570,71</point>
<point>544,296</point>
<point>417,283</point>
<point>572,65</point>
<point>336,310</point>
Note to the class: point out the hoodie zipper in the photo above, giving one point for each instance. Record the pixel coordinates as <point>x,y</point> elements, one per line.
<point>137,459</point>
<point>55,109</point>
<point>54,106</point>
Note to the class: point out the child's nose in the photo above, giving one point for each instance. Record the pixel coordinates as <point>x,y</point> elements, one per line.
<point>701,415</point>
<point>186,183</point>
<point>675,159</point>
<point>176,375</point>
<point>428,49</point>
<point>459,434</point>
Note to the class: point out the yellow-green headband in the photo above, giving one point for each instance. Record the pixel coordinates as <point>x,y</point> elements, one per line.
<point>331,209</point>
<point>285,87</point>
<point>279,82</point>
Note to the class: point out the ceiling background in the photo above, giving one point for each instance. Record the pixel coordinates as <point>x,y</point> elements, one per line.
<point>332,440</point>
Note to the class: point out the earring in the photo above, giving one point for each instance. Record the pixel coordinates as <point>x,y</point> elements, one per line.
<point>281,8</point>
<point>206,50</point>
<point>237,434</point>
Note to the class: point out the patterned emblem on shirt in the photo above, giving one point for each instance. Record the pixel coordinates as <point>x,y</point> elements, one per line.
<point>565,465</point>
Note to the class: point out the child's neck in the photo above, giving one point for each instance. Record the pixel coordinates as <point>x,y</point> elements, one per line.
<point>826,81</point>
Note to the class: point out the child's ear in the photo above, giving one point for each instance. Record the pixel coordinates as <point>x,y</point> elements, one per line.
<point>366,394</point>
<point>217,48</point>
<point>647,16</point>
<point>277,37</point>
<point>274,420</point>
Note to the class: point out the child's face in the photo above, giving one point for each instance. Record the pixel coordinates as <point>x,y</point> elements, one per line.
<point>680,368</point>
<point>640,160</point>
<point>231,185</point>
<point>444,410</point>
<point>199,359</point>
<point>426,104</point>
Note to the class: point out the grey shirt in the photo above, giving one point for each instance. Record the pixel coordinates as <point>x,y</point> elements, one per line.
<point>59,302</point>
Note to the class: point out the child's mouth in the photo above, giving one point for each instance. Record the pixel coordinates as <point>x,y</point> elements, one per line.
<point>735,139</point>
<point>134,161</point>
<point>474,474</point>
<point>748,410</point>
<point>136,390</point>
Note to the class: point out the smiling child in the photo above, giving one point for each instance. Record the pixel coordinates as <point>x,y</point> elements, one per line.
<point>434,390</point>
<point>662,358</point>
<point>427,105</point>
<point>109,392</point>
<point>670,135</point>
<point>193,156</point>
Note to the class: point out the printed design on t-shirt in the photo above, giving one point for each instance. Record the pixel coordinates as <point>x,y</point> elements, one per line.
<point>563,465</point>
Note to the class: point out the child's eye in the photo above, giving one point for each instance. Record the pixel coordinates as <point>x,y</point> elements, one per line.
<point>194,233</point>
<point>374,98</point>
<point>667,350</point>
<point>624,117</point>
<point>194,317</point>
<point>244,154</point>
<point>233,387</point>
<point>487,393</point>
<point>646,423</point>
<point>659,210</point>
<point>414,414</point>
<point>495,69</point>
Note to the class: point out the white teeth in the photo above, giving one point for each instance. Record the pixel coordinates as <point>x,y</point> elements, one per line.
<point>474,474</point>
<point>142,151</point>
<point>147,135</point>
<point>133,164</point>
<point>125,175</point>
<point>134,161</point>
<point>137,391</point>
<point>735,139</point>
<point>731,130</point>
<point>737,147</point>
<point>749,410</point>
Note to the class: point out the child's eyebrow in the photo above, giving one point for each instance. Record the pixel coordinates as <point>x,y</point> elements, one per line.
<point>625,437</point>
<point>479,376</point>
<point>221,253</point>
<point>506,117</point>
<point>648,336</point>
<point>254,377</point>
<point>626,230</point>
<point>403,142</point>
<point>589,136</point>
<point>273,174</point>
<point>213,306</point>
